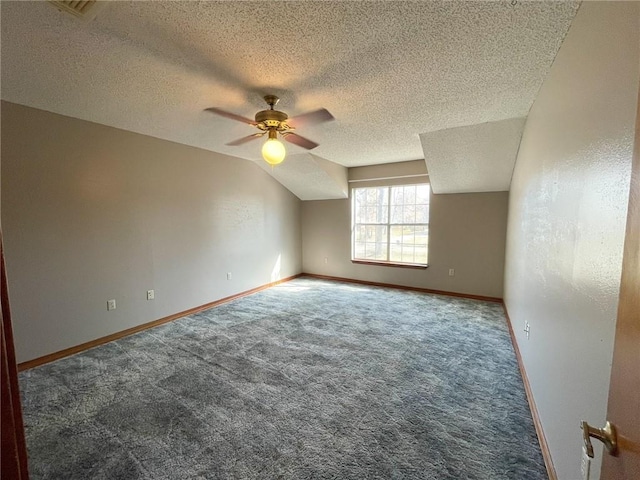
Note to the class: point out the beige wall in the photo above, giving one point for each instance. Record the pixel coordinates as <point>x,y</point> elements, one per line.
<point>399,170</point>
<point>466,233</point>
<point>91,213</point>
<point>567,215</point>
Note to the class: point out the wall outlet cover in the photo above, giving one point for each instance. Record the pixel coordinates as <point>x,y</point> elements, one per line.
<point>585,465</point>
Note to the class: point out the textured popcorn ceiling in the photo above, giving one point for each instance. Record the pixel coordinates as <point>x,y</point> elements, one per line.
<point>388,71</point>
<point>479,158</point>
<point>308,177</point>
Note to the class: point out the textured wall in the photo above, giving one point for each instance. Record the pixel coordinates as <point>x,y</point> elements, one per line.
<point>567,213</point>
<point>466,232</point>
<point>92,213</point>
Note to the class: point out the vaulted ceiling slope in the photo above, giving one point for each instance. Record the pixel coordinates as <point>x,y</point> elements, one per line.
<point>388,71</point>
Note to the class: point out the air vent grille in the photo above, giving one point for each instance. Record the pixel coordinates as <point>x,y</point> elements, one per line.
<point>80,8</point>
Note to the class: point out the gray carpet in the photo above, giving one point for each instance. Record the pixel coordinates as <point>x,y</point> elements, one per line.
<point>307,380</point>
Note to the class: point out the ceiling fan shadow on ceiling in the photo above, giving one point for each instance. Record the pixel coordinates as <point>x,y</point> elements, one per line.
<point>273,122</point>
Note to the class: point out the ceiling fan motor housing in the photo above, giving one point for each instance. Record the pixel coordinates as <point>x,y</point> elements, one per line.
<point>266,119</point>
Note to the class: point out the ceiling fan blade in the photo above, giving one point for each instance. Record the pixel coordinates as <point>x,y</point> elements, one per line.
<point>310,118</point>
<point>246,139</point>
<point>232,116</point>
<point>298,140</point>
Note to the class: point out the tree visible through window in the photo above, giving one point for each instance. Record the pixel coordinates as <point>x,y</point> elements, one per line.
<point>391,224</point>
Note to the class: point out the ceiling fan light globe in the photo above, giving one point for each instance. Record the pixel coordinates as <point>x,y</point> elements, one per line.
<point>273,151</point>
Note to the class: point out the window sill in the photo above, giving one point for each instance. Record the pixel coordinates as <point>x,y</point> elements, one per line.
<point>417,266</point>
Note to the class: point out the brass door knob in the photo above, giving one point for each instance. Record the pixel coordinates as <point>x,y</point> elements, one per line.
<point>606,435</point>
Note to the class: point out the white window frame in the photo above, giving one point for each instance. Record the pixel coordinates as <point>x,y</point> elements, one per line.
<point>388,224</point>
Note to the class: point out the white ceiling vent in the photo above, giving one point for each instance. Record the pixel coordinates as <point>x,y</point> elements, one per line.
<point>85,9</point>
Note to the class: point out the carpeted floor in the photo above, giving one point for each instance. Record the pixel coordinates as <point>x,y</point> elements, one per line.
<point>306,380</point>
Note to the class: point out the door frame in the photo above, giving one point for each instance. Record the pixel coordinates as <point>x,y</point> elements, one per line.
<point>623,409</point>
<point>14,450</point>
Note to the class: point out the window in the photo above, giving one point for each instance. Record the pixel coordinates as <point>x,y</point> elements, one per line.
<point>391,224</point>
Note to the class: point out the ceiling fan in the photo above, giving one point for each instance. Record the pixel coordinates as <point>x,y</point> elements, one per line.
<point>273,122</point>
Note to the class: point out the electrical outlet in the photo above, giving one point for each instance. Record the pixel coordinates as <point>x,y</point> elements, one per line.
<point>527,329</point>
<point>111,304</point>
<point>228,275</point>
<point>326,259</point>
<point>585,465</point>
<point>452,272</point>
<point>151,294</point>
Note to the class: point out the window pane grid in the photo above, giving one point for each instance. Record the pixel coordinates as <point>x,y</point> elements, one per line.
<point>405,224</point>
<point>390,224</point>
